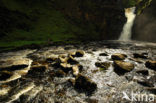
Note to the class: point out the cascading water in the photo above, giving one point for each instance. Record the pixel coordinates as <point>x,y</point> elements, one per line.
<point>127,29</point>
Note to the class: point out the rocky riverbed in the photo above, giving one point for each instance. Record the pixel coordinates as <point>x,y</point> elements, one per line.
<point>96,72</point>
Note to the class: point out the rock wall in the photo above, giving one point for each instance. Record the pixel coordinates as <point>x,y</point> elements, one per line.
<point>62,20</point>
<point>105,17</point>
<point>145,24</point>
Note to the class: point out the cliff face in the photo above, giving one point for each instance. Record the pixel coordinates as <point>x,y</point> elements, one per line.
<point>36,21</point>
<point>57,19</point>
<point>145,24</point>
<point>104,17</point>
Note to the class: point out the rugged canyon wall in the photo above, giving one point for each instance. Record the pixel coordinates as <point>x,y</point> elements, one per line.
<point>99,19</point>
<point>62,20</point>
<point>145,24</point>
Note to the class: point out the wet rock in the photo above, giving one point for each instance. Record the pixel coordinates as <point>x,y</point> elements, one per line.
<point>118,56</point>
<point>39,63</point>
<point>149,82</point>
<point>152,90</point>
<point>50,60</point>
<point>151,64</point>
<point>19,91</point>
<point>121,67</point>
<point>63,58</point>
<point>80,67</point>
<point>72,81</point>
<point>84,84</point>
<point>75,69</point>
<point>65,67</point>
<point>103,54</point>
<point>143,72</point>
<point>14,67</point>
<point>104,65</point>
<point>60,73</point>
<point>72,61</point>
<point>124,65</point>
<point>91,100</point>
<point>78,53</point>
<point>37,70</point>
<point>5,75</point>
<point>4,89</point>
<point>143,55</point>
<point>136,60</point>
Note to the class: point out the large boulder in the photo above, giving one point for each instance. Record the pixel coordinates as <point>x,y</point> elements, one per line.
<point>84,84</point>
<point>121,67</point>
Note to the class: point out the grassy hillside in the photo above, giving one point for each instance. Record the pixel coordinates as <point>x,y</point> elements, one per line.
<point>37,22</point>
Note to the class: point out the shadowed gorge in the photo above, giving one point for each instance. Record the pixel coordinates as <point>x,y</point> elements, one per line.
<point>77,51</point>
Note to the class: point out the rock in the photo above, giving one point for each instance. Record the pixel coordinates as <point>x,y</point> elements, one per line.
<point>72,80</point>
<point>136,60</point>
<point>75,69</point>
<point>50,60</point>
<point>78,53</point>
<point>118,56</point>
<point>80,67</point>
<point>143,55</point>
<point>14,67</point>
<point>72,61</point>
<point>5,75</point>
<point>104,65</point>
<point>92,100</point>
<point>121,67</point>
<point>37,63</point>
<point>84,84</point>
<point>63,58</point>
<point>60,73</point>
<point>65,67</point>
<point>37,70</point>
<point>143,72</point>
<point>151,64</point>
<point>103,54</point>
<point>149,82</point>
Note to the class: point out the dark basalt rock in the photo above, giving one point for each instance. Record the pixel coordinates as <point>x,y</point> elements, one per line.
<point>84,84</point>
<point>143,55</point>
<point>151,64</point>
<point>118,56</point>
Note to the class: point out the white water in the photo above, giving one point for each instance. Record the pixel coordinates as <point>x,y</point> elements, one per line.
<point>127,29</point>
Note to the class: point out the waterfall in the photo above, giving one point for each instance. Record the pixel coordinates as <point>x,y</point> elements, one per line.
<point>127,29</point>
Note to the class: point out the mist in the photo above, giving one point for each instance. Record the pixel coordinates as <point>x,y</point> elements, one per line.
<point>145,25</point>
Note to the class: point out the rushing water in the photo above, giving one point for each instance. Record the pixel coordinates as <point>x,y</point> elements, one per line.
<point>127,29</point>
<point>44,87</point>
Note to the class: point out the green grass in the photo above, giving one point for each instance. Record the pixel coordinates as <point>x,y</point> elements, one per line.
<point>49,25</point>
